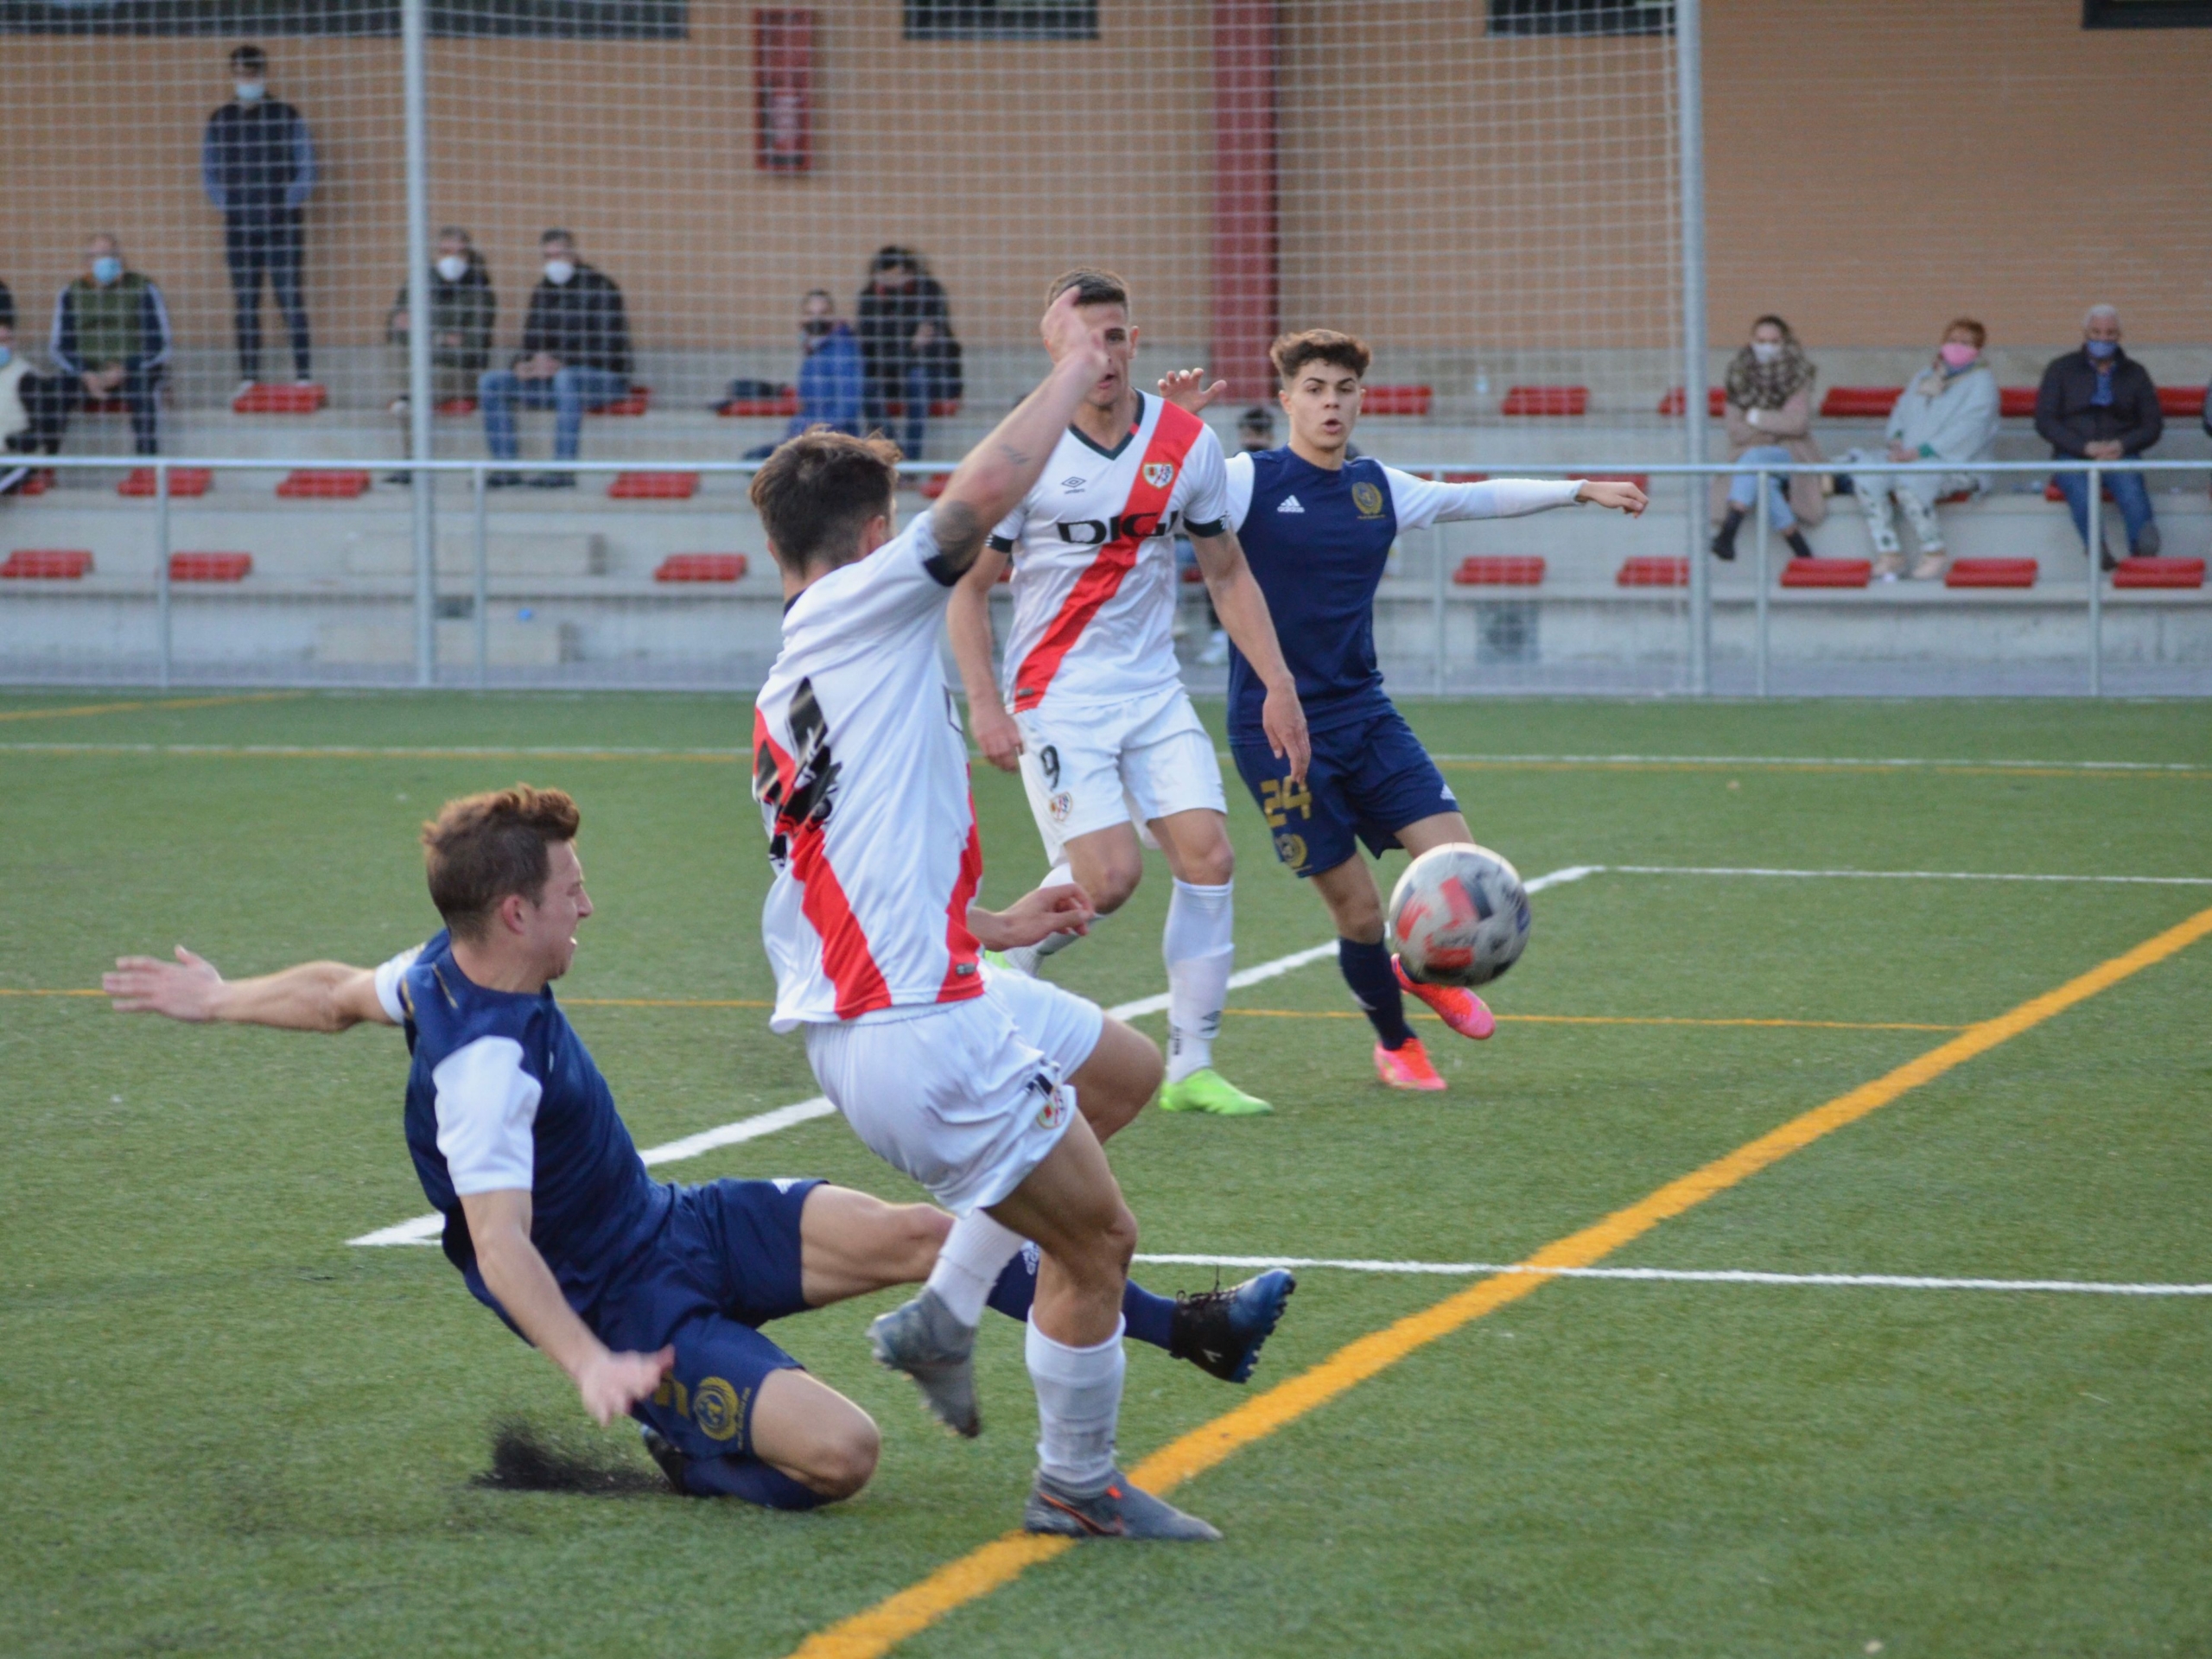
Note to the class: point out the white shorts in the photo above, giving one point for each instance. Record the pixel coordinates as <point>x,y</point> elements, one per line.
<point>1088,768</point>
<point>967,1098</point>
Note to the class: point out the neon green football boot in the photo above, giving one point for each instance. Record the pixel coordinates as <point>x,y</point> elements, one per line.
<point>1207,1090</point>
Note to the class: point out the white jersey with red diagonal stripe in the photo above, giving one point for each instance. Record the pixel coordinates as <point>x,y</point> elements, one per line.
<point>860,768</point>
<point>1094,559</point>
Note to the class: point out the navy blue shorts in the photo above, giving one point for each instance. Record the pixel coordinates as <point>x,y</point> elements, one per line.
<point>727,1262</point>
<point>1369,779</point>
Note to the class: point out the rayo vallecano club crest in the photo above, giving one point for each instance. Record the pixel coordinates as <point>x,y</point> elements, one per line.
<point>1160,474</point>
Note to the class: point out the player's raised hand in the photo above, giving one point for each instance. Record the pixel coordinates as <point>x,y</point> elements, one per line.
<point>612,1384</point>
<point>1066,332</point>
<point>996,734</point>
<point>184,989</point>
<point>1186,389</point>
<point>1618,494</point>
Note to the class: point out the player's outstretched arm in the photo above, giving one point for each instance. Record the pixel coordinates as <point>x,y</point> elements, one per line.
<point>1032,918</point>
<point>997,473</point>
<point>967,620</point>
<point>313,996</point>
<point>1243,612</point>
<point>610,1383</point>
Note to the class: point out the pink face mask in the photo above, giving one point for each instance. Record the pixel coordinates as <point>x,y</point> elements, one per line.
<point>1958,353</point>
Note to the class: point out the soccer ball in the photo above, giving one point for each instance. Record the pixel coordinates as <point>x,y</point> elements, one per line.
<point>1460,915</point>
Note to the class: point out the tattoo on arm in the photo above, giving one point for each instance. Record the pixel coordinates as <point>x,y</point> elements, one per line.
<point>959,531</point>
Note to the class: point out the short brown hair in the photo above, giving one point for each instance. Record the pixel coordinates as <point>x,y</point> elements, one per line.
<point>1293,352</point>
<point>1981,334</point>
<point>1091,287</point>
<point>481,848</point>
<point>817,491</point>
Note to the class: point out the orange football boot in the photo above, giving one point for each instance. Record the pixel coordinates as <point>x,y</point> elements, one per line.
<point>1462,1010</point>
<point>1406,1067</point>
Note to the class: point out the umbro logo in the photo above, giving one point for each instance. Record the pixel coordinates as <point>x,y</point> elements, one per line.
<point>1072,485</point>
<point>1290,505</point>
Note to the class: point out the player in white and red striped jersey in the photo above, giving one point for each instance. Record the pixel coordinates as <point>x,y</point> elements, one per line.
<point>872,927</point>
<point>1100,727</point>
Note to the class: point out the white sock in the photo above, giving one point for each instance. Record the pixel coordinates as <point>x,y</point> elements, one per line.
<point>1200,945</point>
<point>1079,1401</point>
<point>969,1263</point>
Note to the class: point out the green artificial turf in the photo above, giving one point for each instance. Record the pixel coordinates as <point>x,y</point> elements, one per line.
<point>228,1431</point>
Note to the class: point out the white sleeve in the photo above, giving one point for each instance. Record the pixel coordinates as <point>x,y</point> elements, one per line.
<point>1204,484</point>
<point>388,983</point>
<point>1236,492</point>
<point>1008,536</point>
<point>487,1106</point>
<point>1420,503</point>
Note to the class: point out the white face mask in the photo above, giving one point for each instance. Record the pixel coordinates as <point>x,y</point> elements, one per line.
<point>454,267</point>
<point>558,271</point>
<point>1767,350</point>
<point>250,92</point>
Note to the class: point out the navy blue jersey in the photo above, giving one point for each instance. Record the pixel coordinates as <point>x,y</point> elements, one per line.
<point>502,1093</point>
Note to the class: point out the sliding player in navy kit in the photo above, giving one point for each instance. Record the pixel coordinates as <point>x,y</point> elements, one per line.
<point>1317,530</point>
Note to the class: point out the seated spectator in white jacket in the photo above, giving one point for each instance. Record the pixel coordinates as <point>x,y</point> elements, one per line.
<point>1948,413</point>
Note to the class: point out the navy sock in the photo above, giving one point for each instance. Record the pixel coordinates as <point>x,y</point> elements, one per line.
<point>1366,969</point>
<point>1150,1319</point>
<point>750,1480</point>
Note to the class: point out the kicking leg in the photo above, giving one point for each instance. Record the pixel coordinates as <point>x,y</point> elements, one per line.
<point>1363,958</point>
<point>1461,1009</point>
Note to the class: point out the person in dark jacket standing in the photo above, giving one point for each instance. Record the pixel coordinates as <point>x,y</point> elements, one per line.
<point>256,163</point>
<point>909,356</point>
<point>2098,404</point>
<point>576,356</point>
<point>110,336</point>
<point>463,312</point>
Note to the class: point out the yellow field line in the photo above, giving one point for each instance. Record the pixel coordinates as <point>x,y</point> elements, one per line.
<point>882,1627</point>
<point>147,702</point>
<point>5,991</point>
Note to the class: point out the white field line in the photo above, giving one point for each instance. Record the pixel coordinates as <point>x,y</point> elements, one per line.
<point>425,1230</point>
<point>1902,875</point>
<point>1685,1275</point>
<point>1896,762</point>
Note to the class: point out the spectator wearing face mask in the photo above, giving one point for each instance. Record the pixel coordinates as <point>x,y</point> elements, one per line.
<point>1949,413</point>
<point>908,353</point>
<point>256,164</point>
<point>111,337</point>
<point>1769,418</point>
<point>830,378</point>
<point>2098,404</point>
<point>463,312</point>
<point>574,357</point>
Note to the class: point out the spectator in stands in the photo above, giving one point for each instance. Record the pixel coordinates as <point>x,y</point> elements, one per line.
<point>1769,416</point>
<point>908,353</point>
<point>463,312</point>
<point>256,164</point>
<point>2098,404</point>
<point>576,356</point>
<point>829,379</point>
<point>110,336</point>
<point>1949,413</point>
<point>1255,430</point>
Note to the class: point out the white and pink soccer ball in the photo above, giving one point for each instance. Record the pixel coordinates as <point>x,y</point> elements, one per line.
<point>1460,915</point>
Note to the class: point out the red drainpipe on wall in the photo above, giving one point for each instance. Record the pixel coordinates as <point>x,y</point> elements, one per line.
<point>1246,301</point>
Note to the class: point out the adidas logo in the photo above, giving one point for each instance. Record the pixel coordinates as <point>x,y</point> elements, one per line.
<point>1290,505</point>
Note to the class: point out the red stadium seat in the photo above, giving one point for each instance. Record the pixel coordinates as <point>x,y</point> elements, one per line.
<point>758,409</point>
<point>1481,570</point>
<point>1646,572</point>
<point>104,406</point>
<point>2182,400</point>
<point>279,400</point>
<point>943,409</point>
<point>46,564</point>
<point>702,567</point>
<point>457,406</point>
<point>1827,573</point>
<point>1716,402</point>
<point>1991,573</point>
<point>183,481</point>
<point>210,567</point>
<point>2134,573</point>
<point>1860,403</point>
<point>37,483</point>
<point>1546,400</point>
<point>1192,576</point>
<point>1395,400</point>
<point>2017,402</point>
<point>653,486</point>
<point>310,485</point>
<point>932,485</point>
<point>2052,492</point>
<point>635,404</point>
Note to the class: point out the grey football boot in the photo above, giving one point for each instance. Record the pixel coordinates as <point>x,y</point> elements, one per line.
<point>924,1339</point>
<point>1120,1510</point>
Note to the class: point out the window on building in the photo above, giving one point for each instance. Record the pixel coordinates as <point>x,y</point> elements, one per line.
<point>2146,14</point>
<point>1002,20</point>
<point>574,19</point>
<point>1580,17</point>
